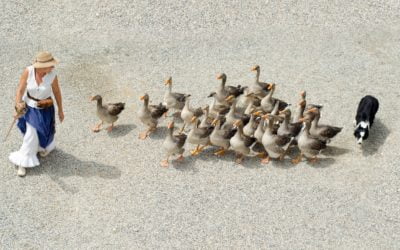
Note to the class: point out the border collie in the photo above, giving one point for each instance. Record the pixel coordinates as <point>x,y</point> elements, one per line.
<point>365,116</point>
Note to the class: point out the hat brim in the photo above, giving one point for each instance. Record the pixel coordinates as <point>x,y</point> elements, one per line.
<point>39,65</point>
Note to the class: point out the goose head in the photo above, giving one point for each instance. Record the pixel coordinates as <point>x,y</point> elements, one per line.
<point>303,95</point>
<point>95,98</point>
<point>144,97</point>
<point>221,76</point>
<point>271,86</point>
<point>255,68</point>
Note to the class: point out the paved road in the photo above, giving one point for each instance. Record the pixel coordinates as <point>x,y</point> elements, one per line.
<point>108,190</point>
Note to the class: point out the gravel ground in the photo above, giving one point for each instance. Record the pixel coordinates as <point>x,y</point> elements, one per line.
<point>107,190</point>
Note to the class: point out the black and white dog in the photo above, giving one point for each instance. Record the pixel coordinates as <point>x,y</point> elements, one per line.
<point>365,116</point>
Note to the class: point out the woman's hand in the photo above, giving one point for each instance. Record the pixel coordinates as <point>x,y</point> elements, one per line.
<point>61,115</point>
<point>19,107</point>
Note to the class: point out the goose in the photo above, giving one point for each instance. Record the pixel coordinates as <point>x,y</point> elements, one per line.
<point>268,102</point>
<point>324,132</point>
<point>149,115</point>
<point>173,144</point>
<point>275,145</point>
<point>241,143</point>
<point>224,91</point>
<point>173,100</point>
<point>188,113</point>
<point>309,145</point>
<point>221,136</point>
<point>199,136</point>
<point>287,128</point>
<point>260,89</point>
<point>107,113</point>
<point>217,108</point>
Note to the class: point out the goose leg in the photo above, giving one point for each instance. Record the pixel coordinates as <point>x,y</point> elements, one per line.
<point>180,158</point>
<point>220,152</point>
<point>265,160</point>
<point>165,163</point>
<point>97,127</point>
<point>239,158</point>
<point>262,155</point>
<point>282,156</point>
<point>201,149</point>
<point>313,160</point>
<point>109,129</point>
<point>143,135</point>
<point>183,128</point>
<point>195,151</point>
<point>297,159</point>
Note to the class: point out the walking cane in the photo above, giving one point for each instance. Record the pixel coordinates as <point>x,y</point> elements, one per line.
<point>20,113</point>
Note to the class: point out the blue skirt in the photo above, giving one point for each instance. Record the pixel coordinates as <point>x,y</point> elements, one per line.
<point>43,120</point>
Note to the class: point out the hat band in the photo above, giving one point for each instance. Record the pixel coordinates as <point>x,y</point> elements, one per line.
<point>45,61</point>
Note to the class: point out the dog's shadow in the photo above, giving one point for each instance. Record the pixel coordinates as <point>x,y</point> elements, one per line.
<point>60,164</point>
<point>377,137</point>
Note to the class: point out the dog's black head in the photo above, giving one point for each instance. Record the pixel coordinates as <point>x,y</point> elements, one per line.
<point>361,133</point>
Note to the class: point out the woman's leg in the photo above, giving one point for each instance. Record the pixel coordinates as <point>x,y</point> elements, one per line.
<point>26,156</point>
<point>45,151</point>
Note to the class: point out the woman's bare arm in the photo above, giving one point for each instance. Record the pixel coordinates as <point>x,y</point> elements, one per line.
<point>57,94</point>
<point>21,86</point>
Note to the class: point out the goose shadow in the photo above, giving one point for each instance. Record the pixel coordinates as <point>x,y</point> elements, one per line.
<point>159,134</point>
<point>207,155</point>
<point>377,137</point>
<point>322,162</point>
<point>59,165</point>
<point>121,130</point>
<point>334,151</point>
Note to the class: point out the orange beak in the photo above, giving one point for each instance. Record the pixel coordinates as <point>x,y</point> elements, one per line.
<point>236,123</point>
<point>168,81</point>
<point>270,86</point>
<point>313,110</point>
<point>142,97</point>
<point>254,69</point>
<point>219,76</point>
<point>229,98</point>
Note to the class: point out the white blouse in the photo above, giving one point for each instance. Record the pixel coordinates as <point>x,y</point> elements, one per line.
<point>42,91</point>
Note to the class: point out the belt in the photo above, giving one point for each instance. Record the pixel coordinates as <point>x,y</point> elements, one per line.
<point>35,99</point>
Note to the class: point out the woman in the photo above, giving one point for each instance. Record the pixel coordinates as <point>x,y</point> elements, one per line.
<point>36,85</point>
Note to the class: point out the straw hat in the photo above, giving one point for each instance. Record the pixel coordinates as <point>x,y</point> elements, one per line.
<point>44,59</point>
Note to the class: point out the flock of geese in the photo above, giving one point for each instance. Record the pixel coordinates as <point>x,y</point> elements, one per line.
<point>246,119</point>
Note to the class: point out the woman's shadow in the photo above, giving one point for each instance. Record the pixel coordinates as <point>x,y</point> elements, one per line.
<point>377,137</point>
<point>60,164</point>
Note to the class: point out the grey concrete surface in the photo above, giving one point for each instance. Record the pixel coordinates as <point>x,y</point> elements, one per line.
<point>108,190</point>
